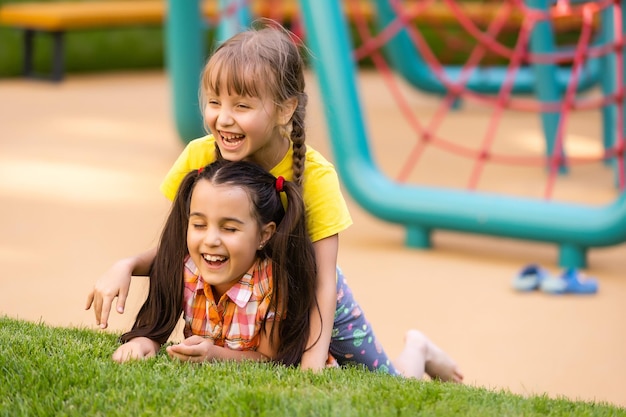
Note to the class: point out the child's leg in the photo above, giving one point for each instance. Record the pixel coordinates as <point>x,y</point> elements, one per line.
<point>353,340</point>
<point>421,355</point>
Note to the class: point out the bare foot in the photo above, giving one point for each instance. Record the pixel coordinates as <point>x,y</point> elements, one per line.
<point>438,364</point>
<point>420,355</point>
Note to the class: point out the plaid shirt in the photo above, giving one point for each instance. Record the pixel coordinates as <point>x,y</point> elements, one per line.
<point>235,320</point>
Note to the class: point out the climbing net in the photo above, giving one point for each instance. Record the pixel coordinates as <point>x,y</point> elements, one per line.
<point>547,79</point>
<point>483,31</point>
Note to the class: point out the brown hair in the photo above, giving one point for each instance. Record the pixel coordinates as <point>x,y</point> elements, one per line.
<point>259,60</point>
<point>290,250</point>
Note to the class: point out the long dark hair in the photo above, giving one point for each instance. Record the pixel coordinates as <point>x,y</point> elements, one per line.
<point>290,250</point>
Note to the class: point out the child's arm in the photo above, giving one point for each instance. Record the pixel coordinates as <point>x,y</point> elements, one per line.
<point>116,283</point>
<point>198,349</point>
<point>136,348</point>
<point>326,257</point>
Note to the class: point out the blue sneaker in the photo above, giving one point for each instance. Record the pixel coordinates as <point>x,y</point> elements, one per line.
<point>530,278</point>
<point>570,282</point>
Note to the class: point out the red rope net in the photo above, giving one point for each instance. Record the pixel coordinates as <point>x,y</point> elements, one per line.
<point>484,32</point>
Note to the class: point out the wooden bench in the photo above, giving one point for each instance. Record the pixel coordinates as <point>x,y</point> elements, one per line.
<point>56,18</point>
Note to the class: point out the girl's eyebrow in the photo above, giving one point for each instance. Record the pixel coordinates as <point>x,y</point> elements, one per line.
<point>233,219</point>
<point>225,219</point>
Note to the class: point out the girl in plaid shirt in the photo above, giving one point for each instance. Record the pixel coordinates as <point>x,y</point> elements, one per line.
<point>213,265</point>
<point>246,280</point>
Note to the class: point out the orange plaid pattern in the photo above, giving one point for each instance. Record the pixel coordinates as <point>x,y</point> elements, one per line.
<point>234,321</point>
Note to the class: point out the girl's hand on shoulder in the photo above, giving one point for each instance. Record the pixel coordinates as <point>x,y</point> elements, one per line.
<point>193,349</point>
<point>136,348</point>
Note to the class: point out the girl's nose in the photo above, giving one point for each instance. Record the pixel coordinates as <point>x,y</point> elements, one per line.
<point>224,118</point>
<point>212,237</point>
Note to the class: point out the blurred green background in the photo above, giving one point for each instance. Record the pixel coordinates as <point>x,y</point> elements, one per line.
<point>142,47</point>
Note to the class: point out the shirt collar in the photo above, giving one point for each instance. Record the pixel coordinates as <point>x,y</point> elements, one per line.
<point>240,293</point>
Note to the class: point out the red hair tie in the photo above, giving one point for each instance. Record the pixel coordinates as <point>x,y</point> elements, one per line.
<point>279,184</point>
<point>200,170</point>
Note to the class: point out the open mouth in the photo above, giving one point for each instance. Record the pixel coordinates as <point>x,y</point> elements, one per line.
<point>214,260</point>
<point>231,140</point>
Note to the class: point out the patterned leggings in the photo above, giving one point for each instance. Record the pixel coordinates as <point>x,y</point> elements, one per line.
<point>353,340</point>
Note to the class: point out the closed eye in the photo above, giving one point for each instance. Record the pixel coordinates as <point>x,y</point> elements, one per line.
<point>244,106</point>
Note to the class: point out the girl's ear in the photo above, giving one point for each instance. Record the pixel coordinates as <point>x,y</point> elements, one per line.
<point>286,110</point>
<point>267,231</point>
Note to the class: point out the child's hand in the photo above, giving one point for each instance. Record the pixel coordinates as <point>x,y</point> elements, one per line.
<point>136,348</point>
<point>114,283</point>
<point>193,349</point>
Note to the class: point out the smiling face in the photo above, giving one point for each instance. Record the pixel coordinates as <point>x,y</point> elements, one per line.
<point>246,126</point>
<point>253,97</point>
<point>223,235</point>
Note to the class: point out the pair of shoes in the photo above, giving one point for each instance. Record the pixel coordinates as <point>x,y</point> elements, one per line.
<point>571,281</point>
<point>530,278</point>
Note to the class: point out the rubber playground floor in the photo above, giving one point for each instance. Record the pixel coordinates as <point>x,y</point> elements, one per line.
<point>80,166</point>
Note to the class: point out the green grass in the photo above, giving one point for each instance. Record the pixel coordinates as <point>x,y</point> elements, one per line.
<point>48,371</point>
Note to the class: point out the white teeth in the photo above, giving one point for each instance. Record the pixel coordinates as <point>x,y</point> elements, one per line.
<point>213,258</point>
<point>232,138</point>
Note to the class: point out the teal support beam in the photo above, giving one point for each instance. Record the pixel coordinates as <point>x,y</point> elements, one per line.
<point>572,255</point>
<point>623,81</point>
<point>608,82</point>
<point>546,86</point>
<point>418,236</point>
<point>235,17</point>
<point>184,56</point>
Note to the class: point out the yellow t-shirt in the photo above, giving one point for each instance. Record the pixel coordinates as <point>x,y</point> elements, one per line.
<point>326,210</point>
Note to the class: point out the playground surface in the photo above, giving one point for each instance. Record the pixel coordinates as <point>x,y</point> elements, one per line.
<point>80,166</point>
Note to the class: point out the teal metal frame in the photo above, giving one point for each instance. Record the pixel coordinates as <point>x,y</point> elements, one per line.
<point>184,57</point>
<point>573,227</point>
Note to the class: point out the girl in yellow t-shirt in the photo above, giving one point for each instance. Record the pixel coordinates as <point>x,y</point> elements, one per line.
<point>253,101</point>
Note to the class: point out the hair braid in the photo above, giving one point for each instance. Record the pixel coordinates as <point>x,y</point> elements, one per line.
<point>298,137</point>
